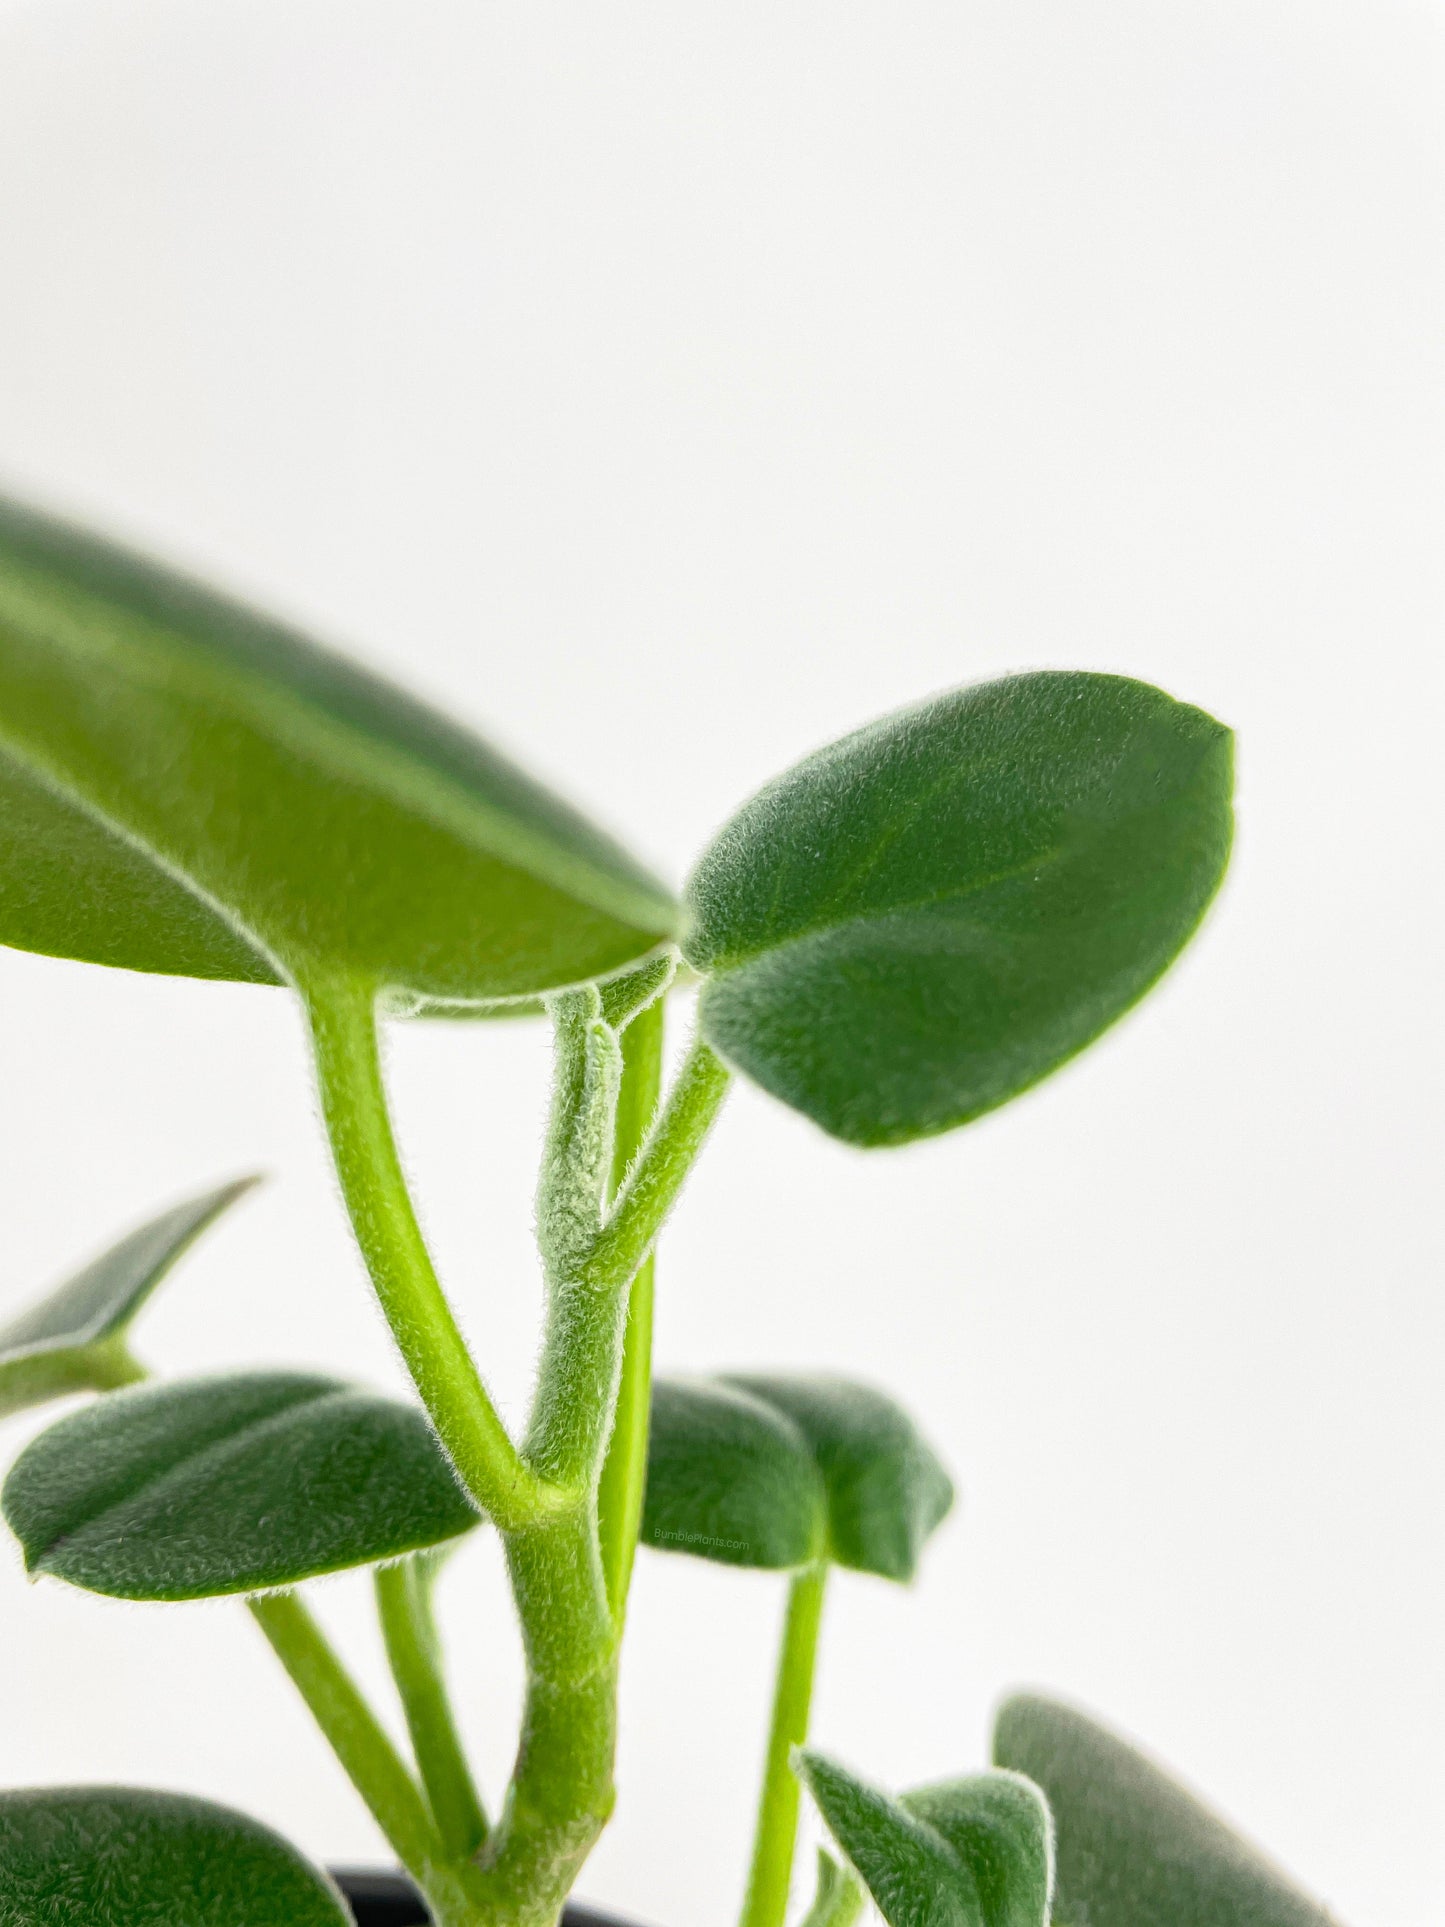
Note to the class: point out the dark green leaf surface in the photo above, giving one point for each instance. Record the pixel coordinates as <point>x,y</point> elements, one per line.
<point>918,923</point>
<point>965,1853</point>
<point>228,1485</point>
<point>186,786</point>
<point>776,1472</point>
<point>74,1339</point>
<point>730,1479</point>
<point>120,1857</point>
<point>1134,1848</point>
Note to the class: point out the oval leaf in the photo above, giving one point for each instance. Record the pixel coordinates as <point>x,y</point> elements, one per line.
<point>188,787</point>
<point>74,1340</point>
<point>228,1485</point>
<point>921,921</point>
<point>777,1472</point>
<point>121,1857</point>
<point>1134,1847</point>
<point>965,1853</point>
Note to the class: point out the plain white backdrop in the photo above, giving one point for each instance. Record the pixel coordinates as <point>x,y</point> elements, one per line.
<point>668,389</point>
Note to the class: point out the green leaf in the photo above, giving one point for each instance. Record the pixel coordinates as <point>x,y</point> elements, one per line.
<point>121,1857</point>
<point>777,1472</point>
<point>75,1339</point>
<point>225,1485</point>
<point>186,786</point>
<point>1134,1847</point>
<point>965,1853</point>
<point>838,1900</point>
<point>918,923</point>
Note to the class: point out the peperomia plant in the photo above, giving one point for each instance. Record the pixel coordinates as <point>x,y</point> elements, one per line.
<point>903,932</point>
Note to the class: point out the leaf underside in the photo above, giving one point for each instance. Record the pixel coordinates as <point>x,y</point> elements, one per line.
<point>1134,1848</point>
<point>121,1857</point>
<point>228,1485</point>
<point>66,1341</point>
<point>777,1472</point>
<point>923,920</point>
<point>975,1852</point>
<point>188,787</point>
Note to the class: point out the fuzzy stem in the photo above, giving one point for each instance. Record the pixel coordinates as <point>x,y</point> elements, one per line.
<point>561,1794</point>
<point>353,1100</point>
<point>652,1186</point>
<point>624,1471</point>
<point>562,1791</point>
<point>404,1604</point>
<point>352,1730</point>
<point>770,1878</point>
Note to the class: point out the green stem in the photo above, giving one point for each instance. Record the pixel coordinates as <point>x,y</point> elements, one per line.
<point>561,1793</point>
<point>413,1647</point>
<point>352,1730</point>
<point>353,1102</point>
<point>624,1471</point>
<point>577,1155</point>
<point>105,1366</point>
<point>769,1880</point>
<point>652,1186</point>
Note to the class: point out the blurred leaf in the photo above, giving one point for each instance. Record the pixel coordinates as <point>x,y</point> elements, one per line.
<point>226,1485</point>
<point>965,1853</point>
<point>121,1857</point>
<point>75,1339</point>
<point>921,921</point>
<point>1134,1848</point>
<point>730,1479</point>
<point>777,1472</point>
<point>186,786</point>
<point>838,1900</point>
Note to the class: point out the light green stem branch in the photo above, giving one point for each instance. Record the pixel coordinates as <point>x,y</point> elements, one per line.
<point>102,1367</point>
<point>352,1730</point>
<point>624,1471</point>
<point>404,1603</point>
<point>651,1189</point>
<point>353,1102</point>
<point>577,1156</point>
<point>769,1880</point>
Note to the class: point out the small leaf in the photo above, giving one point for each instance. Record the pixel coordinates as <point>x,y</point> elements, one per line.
<point>75,1339</point>
<point>1134,1847</point>
<point>838,1900</point>
<point>121,1857</point>
<point>776,1472</point>
<point>918,923</point>
<point>225,1485</point>
<point>186,786</point>
<point>965,1853</point>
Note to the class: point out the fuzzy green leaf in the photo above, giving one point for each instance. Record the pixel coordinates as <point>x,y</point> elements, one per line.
<point>75,1339</point>
<point>188,787</point>
<point>730,1479</point>
<point>776,1472</point>
<point>1134,1848</point>
<point>121,1857</point>
<point>226,1485</point>
<point>965,1853</point>
<point>918,923</point>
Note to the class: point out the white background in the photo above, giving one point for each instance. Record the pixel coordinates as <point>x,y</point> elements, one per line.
<point>669,388</point>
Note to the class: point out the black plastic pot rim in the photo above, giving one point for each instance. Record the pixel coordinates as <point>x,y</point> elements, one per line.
<point>383,1899</point>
